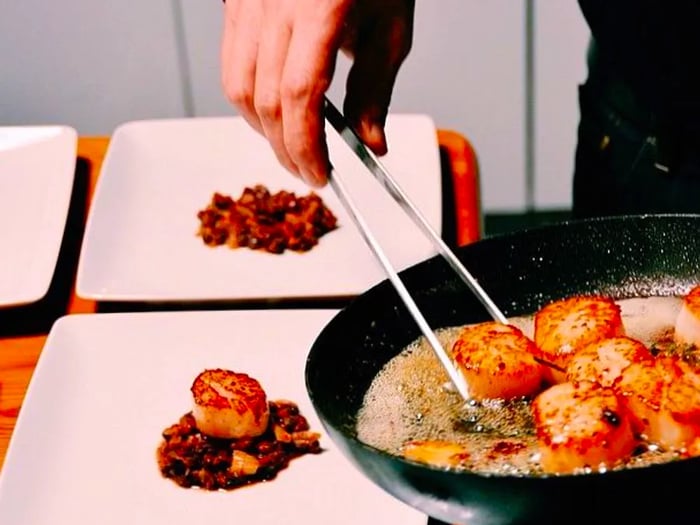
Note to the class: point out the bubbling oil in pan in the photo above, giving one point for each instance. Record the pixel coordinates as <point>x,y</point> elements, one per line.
<point>408,401</point>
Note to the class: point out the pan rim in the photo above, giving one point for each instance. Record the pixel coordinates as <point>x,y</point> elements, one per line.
<point>519,480</point>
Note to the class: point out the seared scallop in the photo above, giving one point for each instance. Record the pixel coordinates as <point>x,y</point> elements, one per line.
<point>497,361</point>
<point>582,426</point>
<point>563,327</point>
<point>687,330</point>
<point>692,449</point>
<point>229,405</point>
<point>683,397</point>
<point>603,361</point>
<point>664,398</point>
<point>435,452</point>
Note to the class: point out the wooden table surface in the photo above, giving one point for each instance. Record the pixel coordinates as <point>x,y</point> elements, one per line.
<point>23,330</point>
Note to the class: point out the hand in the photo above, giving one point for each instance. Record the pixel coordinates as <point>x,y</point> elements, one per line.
<point>278,59</point>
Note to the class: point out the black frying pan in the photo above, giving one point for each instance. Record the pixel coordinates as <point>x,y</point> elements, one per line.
<point>622,257</point>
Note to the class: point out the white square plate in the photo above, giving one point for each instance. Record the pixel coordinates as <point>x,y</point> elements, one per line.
<point>37,169</point>
<point>84,449</point>
<point>141,245</point>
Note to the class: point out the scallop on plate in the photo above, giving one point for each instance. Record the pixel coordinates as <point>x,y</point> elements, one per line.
<point>108,387</point>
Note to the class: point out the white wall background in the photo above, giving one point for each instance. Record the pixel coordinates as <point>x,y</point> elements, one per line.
<point>87,64</point>
<point>94,65</point>
<point>560,45</point>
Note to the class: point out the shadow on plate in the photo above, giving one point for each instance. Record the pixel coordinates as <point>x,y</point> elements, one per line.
<point>38,317</point>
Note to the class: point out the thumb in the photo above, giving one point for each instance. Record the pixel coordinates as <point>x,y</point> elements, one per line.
<point>371,80</point>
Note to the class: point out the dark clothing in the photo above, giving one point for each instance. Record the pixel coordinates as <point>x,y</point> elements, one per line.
<point>654,45</point>
<point>639,134</point>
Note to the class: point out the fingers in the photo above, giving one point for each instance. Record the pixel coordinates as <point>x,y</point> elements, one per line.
<point>370,85</point>
<point>377,60</point>
<point>272,54</point>
<point>278,58</point>
<point>239,50</point>
<point>307,74</point>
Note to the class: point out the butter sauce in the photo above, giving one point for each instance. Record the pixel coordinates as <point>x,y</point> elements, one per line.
<point>410,400</point>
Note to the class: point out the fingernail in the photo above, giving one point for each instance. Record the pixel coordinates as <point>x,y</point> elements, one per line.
<point>375,138</point>
<point>313,179</point>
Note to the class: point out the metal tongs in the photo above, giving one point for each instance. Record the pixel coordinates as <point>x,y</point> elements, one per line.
<point>341,125</point>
